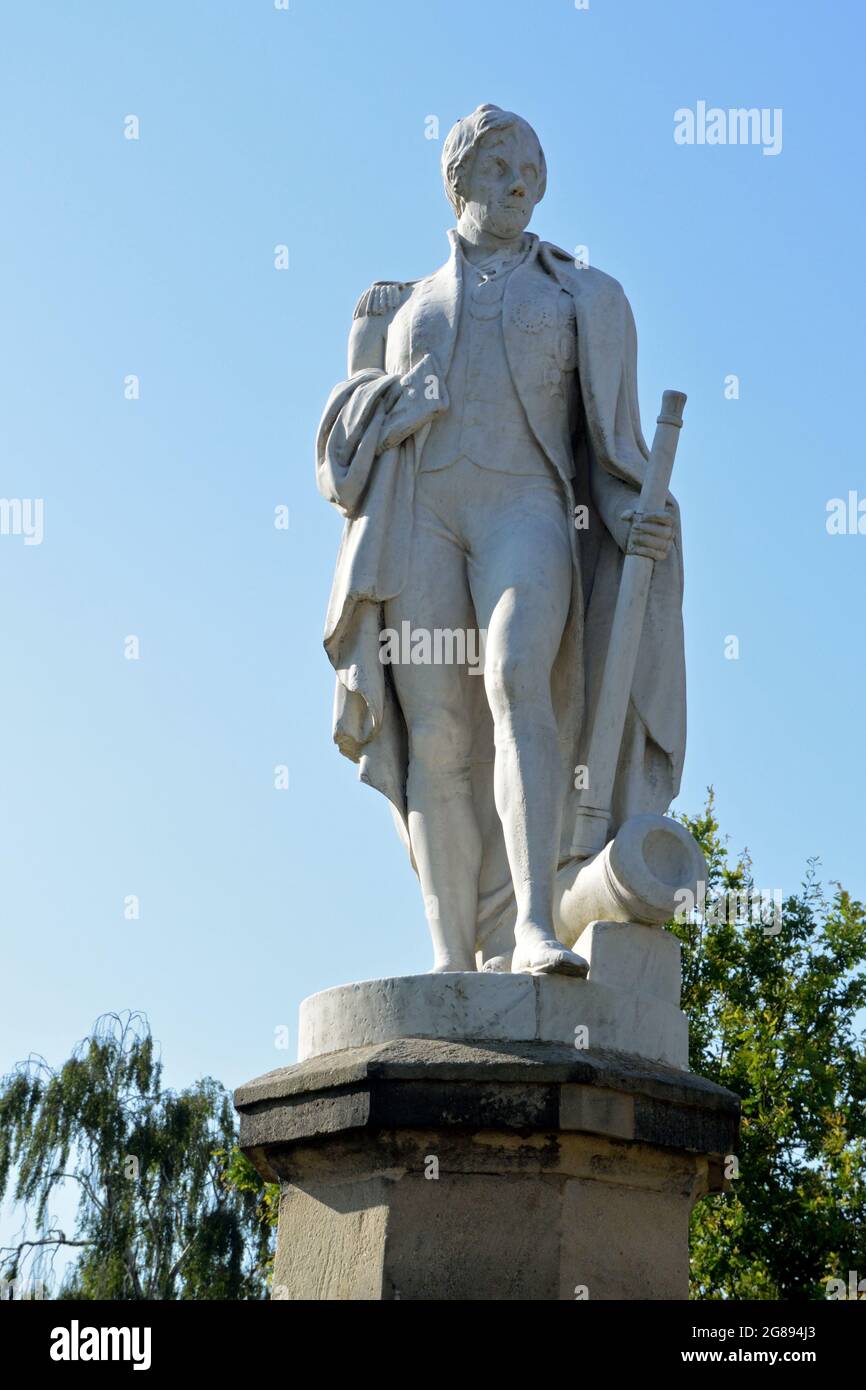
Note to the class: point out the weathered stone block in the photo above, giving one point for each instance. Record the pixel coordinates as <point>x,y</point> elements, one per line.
<point>431,1169</point>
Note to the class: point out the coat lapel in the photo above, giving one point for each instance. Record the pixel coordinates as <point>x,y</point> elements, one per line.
<point>437,312</point>
<point>433,326</point>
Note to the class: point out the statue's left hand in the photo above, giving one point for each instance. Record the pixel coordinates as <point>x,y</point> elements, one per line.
<point>651,533</point>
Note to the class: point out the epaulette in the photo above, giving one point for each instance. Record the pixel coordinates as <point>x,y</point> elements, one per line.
<point>559,253</point>
<point>382,297</point>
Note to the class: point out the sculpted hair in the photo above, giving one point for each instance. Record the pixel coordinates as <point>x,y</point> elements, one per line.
<point>464,136</point>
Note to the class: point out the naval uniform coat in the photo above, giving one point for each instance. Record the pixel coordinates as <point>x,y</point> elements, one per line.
<point>596,448</point>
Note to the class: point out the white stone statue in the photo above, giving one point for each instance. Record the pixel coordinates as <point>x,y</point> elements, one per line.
<point>487,456</point>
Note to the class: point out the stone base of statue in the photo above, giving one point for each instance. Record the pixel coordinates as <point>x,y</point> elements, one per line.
<point>493,1136</point>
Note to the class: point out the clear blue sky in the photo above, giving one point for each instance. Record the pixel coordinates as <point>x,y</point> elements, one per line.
<point>155,257</point>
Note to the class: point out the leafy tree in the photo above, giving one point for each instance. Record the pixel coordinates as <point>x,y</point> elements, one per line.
<point>168,1208</point>
<point>772,1010</point>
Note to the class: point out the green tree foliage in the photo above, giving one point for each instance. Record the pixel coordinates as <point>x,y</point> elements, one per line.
<point>167,1207</point>
<point>772,1009</point>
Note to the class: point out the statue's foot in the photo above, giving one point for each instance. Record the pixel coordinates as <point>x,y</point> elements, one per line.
<point>544,955</point>
<point>497,965</point>
<point>453,965</point>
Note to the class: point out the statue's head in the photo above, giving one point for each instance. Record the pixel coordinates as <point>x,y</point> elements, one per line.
<point>494,171</point>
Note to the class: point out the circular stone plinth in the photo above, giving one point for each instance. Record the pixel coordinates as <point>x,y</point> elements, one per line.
<point>492,1008</point>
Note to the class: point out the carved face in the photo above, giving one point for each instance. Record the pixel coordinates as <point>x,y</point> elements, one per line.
<point>500,187</point>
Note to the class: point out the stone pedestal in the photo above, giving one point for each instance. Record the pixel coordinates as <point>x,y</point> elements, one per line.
<point>497,1159</point>
<point>592,1013</point>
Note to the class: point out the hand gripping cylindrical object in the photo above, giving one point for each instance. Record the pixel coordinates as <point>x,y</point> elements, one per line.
<point>593,816</point>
